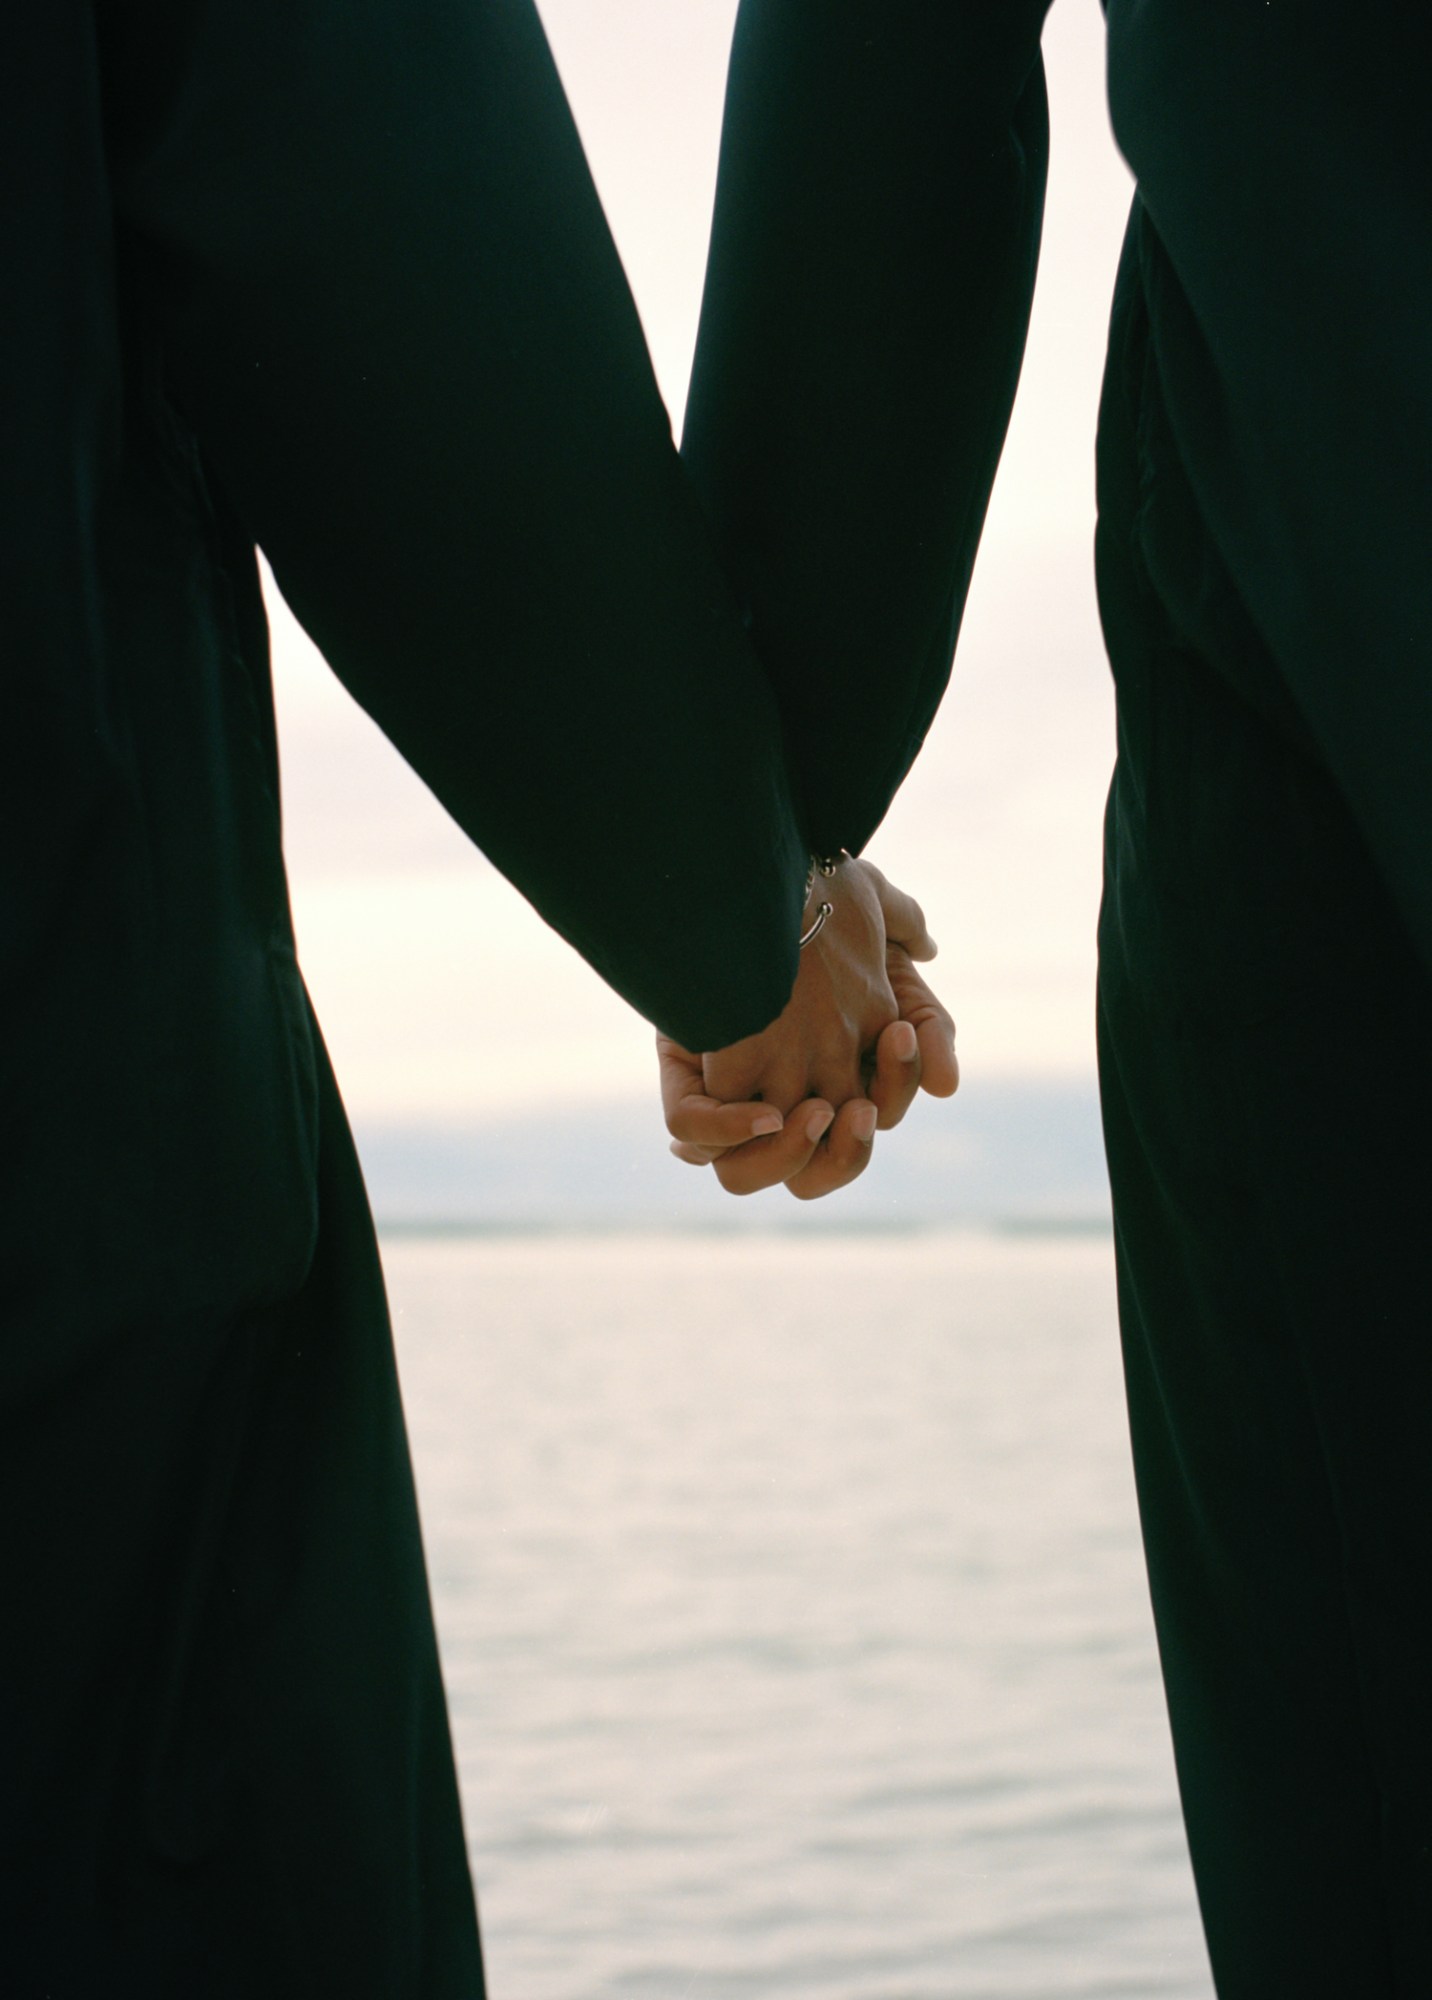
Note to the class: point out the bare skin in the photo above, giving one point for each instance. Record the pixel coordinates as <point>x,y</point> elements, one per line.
<point>800,1103</point>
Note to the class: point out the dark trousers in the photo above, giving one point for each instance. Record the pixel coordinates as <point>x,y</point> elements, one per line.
<point>228,1763</point>
<point>1266,1065</point>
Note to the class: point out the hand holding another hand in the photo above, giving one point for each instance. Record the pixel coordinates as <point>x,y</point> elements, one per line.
<point>800,1102</point>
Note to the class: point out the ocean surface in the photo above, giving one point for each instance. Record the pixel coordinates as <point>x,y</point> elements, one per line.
<point>792,1613</point>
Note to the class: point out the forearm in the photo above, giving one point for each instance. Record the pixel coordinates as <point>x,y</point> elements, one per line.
<point>382,293</point>
<point>868,291</point>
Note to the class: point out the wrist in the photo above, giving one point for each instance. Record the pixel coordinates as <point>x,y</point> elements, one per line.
<point>818,904</point>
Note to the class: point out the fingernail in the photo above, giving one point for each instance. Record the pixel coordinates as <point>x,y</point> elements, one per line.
<point>902,1036</point>
<point>818,1124</point>
<point>862,1123</point>
<point>769,1121</point>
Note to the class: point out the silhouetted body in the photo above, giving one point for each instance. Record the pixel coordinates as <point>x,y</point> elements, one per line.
<point>1266,940</point>
<point>332,279</point>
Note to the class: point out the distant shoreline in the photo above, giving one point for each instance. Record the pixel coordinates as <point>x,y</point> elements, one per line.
<point>453,1228</point>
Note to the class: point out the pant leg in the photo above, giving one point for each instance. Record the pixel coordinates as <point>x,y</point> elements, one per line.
<point>1266,1068</point>
<point>228,1769</point>
<point>351,1791</point>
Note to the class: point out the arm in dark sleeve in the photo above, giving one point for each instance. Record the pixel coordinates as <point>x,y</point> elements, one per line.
<point>389,307</point>
<point>1284,160</point>
<point>871,272</point>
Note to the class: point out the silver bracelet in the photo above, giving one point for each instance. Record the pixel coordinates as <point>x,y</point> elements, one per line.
<point>819,865</point>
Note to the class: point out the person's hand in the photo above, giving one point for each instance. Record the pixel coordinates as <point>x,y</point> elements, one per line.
<point>915,1053</point>
<point>818,1067</point>
<point>933,1065</point>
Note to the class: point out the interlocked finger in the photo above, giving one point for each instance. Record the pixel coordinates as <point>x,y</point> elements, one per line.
<point>764,1163</point>
<point>693,1117</point>
<point>896,1080</point>
<point>842,1156</point>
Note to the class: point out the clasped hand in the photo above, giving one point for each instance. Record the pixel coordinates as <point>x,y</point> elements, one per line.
<point>800,1103</point>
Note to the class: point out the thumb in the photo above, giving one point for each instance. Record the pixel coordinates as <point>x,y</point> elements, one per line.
<point>904,919</point>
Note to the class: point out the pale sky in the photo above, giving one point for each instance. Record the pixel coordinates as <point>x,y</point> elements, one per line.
<point>441,993</point>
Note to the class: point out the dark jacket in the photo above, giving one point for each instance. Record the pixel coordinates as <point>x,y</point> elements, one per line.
<point>333,281</point>
<point>876,227</point>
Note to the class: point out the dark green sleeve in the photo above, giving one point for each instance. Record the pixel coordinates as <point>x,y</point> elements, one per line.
<point>1284,160</point>
<point>871,272</point>
<point>372,260</point>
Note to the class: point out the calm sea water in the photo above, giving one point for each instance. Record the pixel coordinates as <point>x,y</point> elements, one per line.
<point>791,1607</point>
